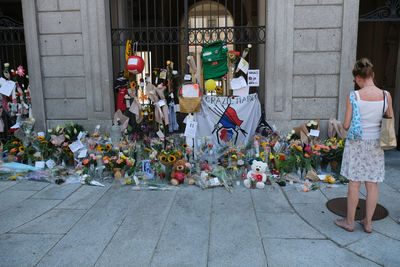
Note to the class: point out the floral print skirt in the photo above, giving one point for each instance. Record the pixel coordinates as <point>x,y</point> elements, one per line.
<point>363,160</point>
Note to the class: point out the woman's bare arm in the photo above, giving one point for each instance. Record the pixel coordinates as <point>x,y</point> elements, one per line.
<point>348,114</point>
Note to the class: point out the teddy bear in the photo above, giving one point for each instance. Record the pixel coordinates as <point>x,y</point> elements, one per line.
<point>180,171</point>
<point>257,175</point>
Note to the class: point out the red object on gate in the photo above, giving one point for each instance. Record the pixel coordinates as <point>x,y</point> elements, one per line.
<point>135,64</point>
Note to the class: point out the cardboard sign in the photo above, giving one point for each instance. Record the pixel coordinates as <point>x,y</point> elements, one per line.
<point>253,78</point>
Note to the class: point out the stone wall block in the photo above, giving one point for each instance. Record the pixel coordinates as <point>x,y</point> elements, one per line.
<point>327,85</point>
<point>72,44</point>
<point>331,1</point>
<point>46,5</point>
<point>71,87</point>
<point>50,45</point>
<point>316,63</point>
<point>329,39</point>
<point>62,66</point>
<point>66,109</point>
<point>303,85</point>
<point>60,22</point>
<point>314,108</point>
<point>69,4</point>
<point>306,2</point>
<point>317,16</point>
<point>305,40</point>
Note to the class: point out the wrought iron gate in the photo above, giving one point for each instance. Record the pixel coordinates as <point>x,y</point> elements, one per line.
<point>174,29</point>
<point>12,42</point>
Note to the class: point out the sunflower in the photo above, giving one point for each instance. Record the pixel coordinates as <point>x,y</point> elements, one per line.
<point>147,149</point>
<point>133,84</point>
<point>108,147</point>
<point>179,153</point>
<point>15,143</point>
<point>40,137</point>
<point>21,149</point>
<point>171,158</point>
<point>99,147</point>
<point>184,146</point>
<point>163,158</point>
<point>102,149</point>
<point>219,90</point>
<point>44,141</point>
<point>150,117</point>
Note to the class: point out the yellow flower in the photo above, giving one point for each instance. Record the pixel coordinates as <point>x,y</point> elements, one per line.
<point>99,147</point>
<point>171,158</point>
<point>15,143</point>
<point>44,141</point>
<point>235,157</point>
<point>40,137</point>
<point>147,149</point>
<point>271,156</point>
<point>128,181</point>
<point>184,146</point>
<point>21,149</point>
<point>133,84</point>
<point>163,158</point>
<point>264,143</point>
<point>341,143</point>
<point>108,147</point>
<point>123,157</point>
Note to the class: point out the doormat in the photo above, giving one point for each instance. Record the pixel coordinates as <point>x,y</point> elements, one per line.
<point>339,207</point>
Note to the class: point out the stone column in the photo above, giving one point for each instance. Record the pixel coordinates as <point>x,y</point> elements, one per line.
<point>348,52</point>
<point>261,20</point>
<point>279,60</point>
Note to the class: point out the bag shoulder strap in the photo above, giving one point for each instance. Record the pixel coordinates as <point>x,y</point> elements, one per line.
<point>384,101</point>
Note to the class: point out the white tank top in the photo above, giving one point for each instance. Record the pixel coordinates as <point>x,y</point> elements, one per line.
<point>371,113</point>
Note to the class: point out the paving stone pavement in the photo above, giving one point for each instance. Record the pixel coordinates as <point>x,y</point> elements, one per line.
<point>79,225</point>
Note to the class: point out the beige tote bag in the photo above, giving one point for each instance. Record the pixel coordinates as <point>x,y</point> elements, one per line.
<point>387,138</point>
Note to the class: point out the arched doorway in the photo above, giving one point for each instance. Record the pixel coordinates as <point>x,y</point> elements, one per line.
<point>379,40</point>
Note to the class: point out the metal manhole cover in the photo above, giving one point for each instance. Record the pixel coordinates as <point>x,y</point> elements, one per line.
<point>339,207</point>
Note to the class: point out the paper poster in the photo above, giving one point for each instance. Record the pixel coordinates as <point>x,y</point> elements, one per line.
<point>238,83</point>
<point>75,146</point>
<point>243,65</point>
<point>253,78</point>
<point>188,77</point>
<point>7,87</point>
<point>191,128</point>
<point>314,132</point>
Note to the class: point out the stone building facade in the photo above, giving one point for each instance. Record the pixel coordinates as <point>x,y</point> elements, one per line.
<point>310,50</point>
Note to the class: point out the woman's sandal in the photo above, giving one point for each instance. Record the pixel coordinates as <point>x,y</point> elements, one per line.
<point>367,227</point>
<point>349,227</point>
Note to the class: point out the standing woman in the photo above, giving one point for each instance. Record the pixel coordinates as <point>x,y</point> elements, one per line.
<point>363,158</point>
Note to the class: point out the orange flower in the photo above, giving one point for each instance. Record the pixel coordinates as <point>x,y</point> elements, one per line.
<point>86,161</point>
<point>13,150</point>
<point>307,155</point>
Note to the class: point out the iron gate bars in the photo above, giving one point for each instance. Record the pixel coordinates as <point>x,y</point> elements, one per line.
<point>12,42</point>
<point>173,29</point>
<point>389,12</point>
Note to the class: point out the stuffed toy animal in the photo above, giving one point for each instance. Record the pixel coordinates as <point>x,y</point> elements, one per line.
<point>257,176</point>
<point>180,171</point>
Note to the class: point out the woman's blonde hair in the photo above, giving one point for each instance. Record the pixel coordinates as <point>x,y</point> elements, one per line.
<point>363,68</point>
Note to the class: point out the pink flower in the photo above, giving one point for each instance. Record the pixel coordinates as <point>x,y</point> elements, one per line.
<point>148,140</point>
<point>20,71</point>
<point>65,144</point>
<point>307,148</point>
<point>334,146</point>
<point>188,165</point>
<point>134,136</point>
<point>119,161</point>
<point>105,161</point>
